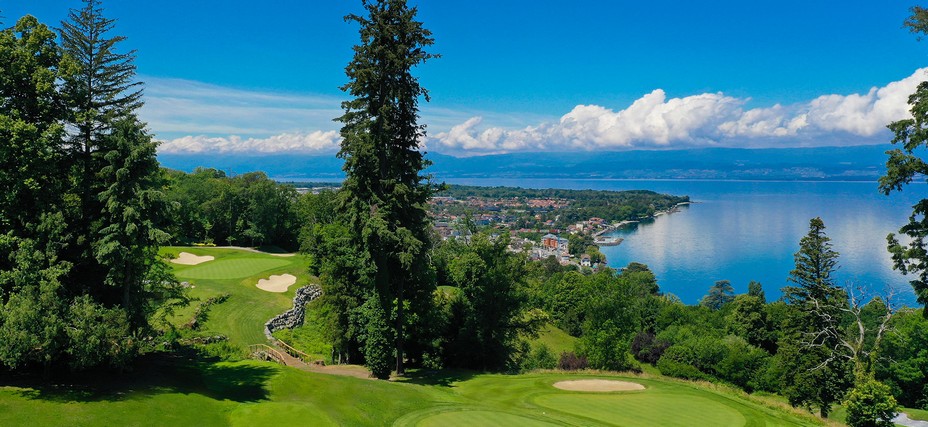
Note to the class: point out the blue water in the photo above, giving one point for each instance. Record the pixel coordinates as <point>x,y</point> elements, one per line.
<point>744,230</point>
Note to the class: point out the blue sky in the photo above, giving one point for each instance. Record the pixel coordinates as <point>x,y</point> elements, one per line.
<point>528,75</point>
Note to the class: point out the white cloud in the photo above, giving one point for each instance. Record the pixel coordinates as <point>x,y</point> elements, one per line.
<point>654,121</point>
<point>234,120</point>
<point>317,142</point>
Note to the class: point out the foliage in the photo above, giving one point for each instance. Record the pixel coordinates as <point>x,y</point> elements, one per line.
<point>490,315</point>
<point>383,197</point>
<point>540,357</point>
<point>870,403</point>
<point>645,347</point>
<point>720,293</point>
<point>80,217</point>
<point>904,362</point>
<point>905,165</point>
<point>570,361</point>
<point>813,374</point>
<point>247,209</point>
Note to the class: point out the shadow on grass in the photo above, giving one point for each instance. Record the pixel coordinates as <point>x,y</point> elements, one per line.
<point>271,249</point>
<point>153,375</point>
<point>441,378</point>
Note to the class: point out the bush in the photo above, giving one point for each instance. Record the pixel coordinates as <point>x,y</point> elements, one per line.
<point>870,403</point>
<point>673,368</point>
<point>647,348</point>
<point>571,362</point>
<point>540,357</point>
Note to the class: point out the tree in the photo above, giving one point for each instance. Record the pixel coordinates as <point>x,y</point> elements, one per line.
<point>755,289</point>
<point>491,313</point>
<point>384,195</point>
<point>812,374</point>
<point>871,404</point>
<point>98,90</point>
<point>720,293</point>
<point>30,125</point>
<point>904,165</point>
<point>127,243</point>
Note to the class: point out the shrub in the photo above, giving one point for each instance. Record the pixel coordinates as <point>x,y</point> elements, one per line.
<point>673,368</point>
<point>540,357</point>
<point>870,403</point>
<point>647,348</point>
<point>571,362</point>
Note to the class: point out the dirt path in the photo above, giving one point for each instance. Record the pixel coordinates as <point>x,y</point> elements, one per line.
<point>343,370</point>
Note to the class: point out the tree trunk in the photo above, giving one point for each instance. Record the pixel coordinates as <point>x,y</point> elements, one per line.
<point>400,312</point>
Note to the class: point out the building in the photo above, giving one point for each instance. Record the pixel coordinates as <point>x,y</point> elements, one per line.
<point>585,261</point>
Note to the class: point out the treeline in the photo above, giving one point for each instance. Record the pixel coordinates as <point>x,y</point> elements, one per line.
<point>81,215</point>
<point>613,206</point>
<point>250,209</point>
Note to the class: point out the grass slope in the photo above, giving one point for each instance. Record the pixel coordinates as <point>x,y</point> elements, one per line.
<point>186,392</point>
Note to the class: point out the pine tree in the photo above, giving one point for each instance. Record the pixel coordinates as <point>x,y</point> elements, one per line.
<point>384,195</point>
<point>814,375</point>
<point>99,90</point>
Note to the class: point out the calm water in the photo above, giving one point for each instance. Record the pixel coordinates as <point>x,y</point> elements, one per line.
<point>742,231</point>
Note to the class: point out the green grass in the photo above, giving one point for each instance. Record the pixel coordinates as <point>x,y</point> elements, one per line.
<point>236,272</point>
<point>555,339</point>
<point>309,338</point>
<point>916,414</point>
<point>259,393</point>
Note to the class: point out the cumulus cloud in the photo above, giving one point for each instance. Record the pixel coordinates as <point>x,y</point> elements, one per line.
<point>317,142</point>
<point>654,121</point>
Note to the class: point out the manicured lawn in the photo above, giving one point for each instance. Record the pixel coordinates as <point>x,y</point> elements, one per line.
<point>916,414</point>
<point>186,392</point>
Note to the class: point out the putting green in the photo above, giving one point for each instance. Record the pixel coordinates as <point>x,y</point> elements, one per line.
<point>643,409</point>
<point>238,268</point>
<point>479,418</point>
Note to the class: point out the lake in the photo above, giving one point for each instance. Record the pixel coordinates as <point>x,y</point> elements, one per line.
<point>749,230</point>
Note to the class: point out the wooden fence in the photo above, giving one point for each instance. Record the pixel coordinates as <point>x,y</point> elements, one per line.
<point>267,352</point>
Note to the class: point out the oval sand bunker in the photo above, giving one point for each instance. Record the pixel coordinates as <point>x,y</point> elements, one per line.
<point>597,385</point>
<point>277,283</point>
<point>187,258</point>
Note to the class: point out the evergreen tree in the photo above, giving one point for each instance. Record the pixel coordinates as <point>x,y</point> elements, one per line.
<point>99,90</point>
<point>813,374</point>
<point>133,206</point>
<point>720,293</point>
<point>384,195</point>
<point>904,165</point>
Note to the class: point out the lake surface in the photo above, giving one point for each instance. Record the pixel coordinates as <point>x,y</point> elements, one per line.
<point>745,230</point>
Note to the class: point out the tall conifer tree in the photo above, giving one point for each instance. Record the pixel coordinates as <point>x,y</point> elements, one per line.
<point>813,375</point>
<point>385,194</point>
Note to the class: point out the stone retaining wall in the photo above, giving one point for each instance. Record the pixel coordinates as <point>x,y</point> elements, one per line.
<point>293,317</point>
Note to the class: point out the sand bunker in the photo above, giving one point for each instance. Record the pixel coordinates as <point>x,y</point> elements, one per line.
<point>277,283</point>
<point>187,258</point>
<point>598,385</point>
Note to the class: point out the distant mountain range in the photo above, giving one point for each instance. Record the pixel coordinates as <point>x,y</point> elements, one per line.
<point>859,163</point>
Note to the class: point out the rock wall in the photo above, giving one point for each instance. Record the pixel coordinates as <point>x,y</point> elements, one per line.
<point>293,317</point>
